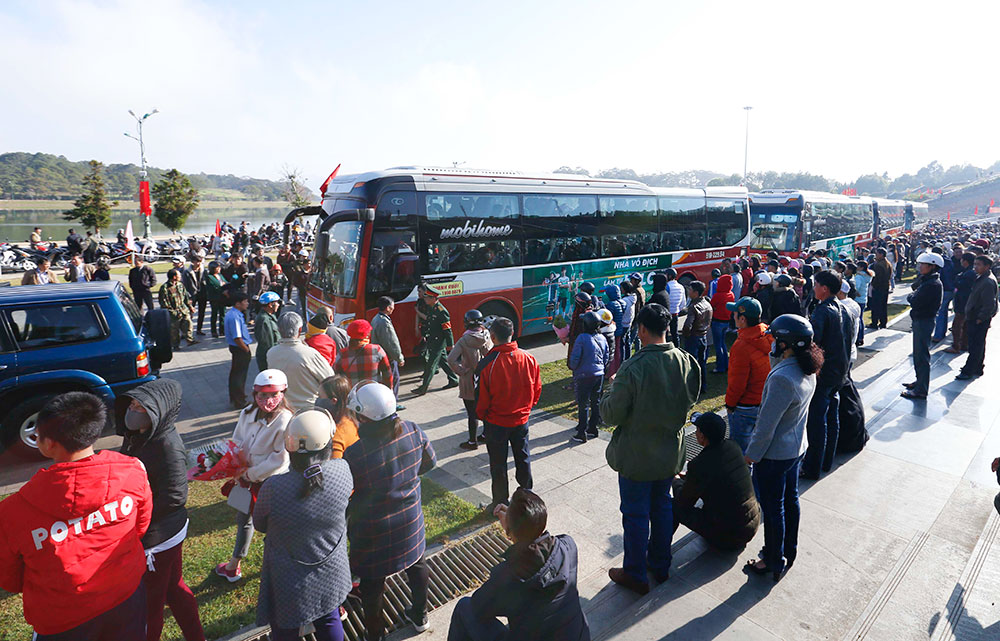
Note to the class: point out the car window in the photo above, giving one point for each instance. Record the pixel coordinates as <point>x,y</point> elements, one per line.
<point>48,326</point>
<point>131,310</point>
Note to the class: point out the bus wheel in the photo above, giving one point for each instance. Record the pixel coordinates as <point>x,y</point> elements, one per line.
<point>686,280</point>
<point>496,308</point>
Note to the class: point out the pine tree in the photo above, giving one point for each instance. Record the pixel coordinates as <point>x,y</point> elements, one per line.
<point>92,207</point>
<point>175,198</point>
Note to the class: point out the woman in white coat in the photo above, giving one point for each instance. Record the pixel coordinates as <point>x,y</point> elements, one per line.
<point>260,435</point>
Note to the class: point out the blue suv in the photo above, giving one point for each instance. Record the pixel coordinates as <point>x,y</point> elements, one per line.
<point>72,337</point>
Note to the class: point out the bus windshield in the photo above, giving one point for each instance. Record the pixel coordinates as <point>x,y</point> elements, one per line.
<point>774,228</point>
<point>338,270</point>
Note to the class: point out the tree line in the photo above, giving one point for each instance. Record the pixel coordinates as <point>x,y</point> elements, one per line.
<point>932,176</point>
<point>46,176</point>
<point>174,196</point>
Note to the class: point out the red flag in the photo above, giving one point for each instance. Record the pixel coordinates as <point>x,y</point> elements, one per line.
<point>991,202</point>
<point>976,212</point>
<point>218,228</point>
<point>144,198</point>
<point>949,216</point>
<point>326,183</point>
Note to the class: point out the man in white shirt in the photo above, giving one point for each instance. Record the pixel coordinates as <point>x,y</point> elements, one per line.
<point>676,300</point>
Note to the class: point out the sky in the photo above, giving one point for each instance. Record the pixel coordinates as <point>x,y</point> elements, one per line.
<point>247,88</point>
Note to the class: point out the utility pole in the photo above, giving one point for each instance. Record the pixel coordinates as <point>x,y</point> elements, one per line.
<point>143,182</point>
<point>746,145</point>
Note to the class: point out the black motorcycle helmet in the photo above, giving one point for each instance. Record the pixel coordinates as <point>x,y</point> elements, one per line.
<point>790,330</point>
<point>590,322</point>
<point>587,288</point>
<point>473,318</point>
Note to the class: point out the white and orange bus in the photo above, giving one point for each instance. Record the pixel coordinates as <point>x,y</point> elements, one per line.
<point>506,243</point>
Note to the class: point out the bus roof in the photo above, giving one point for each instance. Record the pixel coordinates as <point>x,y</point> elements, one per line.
<point>887,202</point>
<point>458,175</point>
<point>783,195</point>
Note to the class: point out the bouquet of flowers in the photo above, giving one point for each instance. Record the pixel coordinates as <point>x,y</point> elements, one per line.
<point>561,328</point>
<point>222,460</point>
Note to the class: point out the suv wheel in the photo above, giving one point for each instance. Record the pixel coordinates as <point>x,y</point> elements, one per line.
<point>20,434</point>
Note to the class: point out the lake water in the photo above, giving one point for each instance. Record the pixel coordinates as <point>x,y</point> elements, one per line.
<point>16,224</point>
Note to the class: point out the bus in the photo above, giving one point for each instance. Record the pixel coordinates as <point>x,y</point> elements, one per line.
<point>917,215</point>
<point>792,222</point>
<point>890,216</point>
<point>506,243</point>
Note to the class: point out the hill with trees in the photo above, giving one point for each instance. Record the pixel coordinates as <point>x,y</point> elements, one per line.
<point>48,177</point>
<point>931,177</point>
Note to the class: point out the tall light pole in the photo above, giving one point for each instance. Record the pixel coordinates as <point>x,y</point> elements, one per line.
<point>746,145</point>
<point>143,182</point>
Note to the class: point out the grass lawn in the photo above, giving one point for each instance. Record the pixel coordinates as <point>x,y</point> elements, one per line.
<point>226,607</point>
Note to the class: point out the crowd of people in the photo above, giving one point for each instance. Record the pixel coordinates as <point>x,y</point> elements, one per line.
<point>329,460</point>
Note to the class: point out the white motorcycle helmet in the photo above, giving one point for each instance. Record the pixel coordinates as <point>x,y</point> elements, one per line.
<point>270,380</point>
<point>931,259</point>
<point>309,430</point>
<point>372,400</point>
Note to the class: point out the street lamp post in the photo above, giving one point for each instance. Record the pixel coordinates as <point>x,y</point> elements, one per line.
<point>746,145</point>
<point>142,160</point>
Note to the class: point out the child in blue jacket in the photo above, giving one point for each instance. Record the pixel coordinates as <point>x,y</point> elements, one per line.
<point>588,361</point>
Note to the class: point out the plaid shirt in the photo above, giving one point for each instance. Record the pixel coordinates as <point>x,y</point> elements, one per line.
<point>174,297</point>
<point>385,522</point>
<point>368,362</point>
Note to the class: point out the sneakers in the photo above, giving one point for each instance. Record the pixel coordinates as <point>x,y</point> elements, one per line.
<point>481,438</point>
<point>579,438</point>
<point>469,445</point>
<point>230,575</point>
<point>420,623</point>
<point>592,434</point>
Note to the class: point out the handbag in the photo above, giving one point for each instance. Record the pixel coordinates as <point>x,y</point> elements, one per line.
<point>240,499</point>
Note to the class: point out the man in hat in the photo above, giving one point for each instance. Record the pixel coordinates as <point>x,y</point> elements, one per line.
<point>719,476</point>
<point>438,339</point>
<point>362,360</point>
<point>174,298</point>
<point>265,328</point>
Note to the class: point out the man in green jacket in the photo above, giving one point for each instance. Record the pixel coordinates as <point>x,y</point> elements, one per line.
<point>266,326</point>
<point>648,403</point>
<point>438,340</point>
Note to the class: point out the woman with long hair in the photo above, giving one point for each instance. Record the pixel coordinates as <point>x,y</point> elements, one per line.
<point>333,392</point>
<point>305,575</point>
<point>385,521</point>
<point>260,435</point>
<point>778,442</point>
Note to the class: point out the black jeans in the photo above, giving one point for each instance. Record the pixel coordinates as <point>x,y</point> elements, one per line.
<point>201,303</point>
<point>673,330</point>
<point>470,410</point>
<point>976,335</point>
<point>143,296</point>
<point>217,315</point>
<point>497,439</point>
<point>372,591</point>
<point>724,536</point>
<point>878,299</point>
<point>238,375</point>
<point>588,404</point>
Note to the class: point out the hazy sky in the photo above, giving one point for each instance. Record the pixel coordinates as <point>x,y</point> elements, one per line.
<point>838,88</point>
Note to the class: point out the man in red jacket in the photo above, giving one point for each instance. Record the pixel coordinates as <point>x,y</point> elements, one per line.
<point>71,538</point>
<point>749,365</point>
<point>510,383</point>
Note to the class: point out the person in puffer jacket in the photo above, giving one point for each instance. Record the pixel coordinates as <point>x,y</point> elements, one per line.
<point>463,358</point>
<point>617,308</point>
<point>749,365</point>
<point>720,321</point>
<point>587,362</point>
<point>534,587</point>
<point>71,538</point>
<point>150,436</point>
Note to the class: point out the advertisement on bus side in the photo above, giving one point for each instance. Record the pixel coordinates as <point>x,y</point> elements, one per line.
<point>549,290</point>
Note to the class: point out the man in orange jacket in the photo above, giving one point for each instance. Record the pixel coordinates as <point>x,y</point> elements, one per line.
<point>749,365</point>
<point>509,385</point>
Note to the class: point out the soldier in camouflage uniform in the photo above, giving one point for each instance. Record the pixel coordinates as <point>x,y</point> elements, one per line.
<point>174,298</point>
<point>438,339</point>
